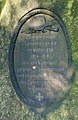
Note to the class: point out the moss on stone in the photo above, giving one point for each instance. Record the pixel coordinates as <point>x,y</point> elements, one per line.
<point>11,108</point>
<point>2,3</point>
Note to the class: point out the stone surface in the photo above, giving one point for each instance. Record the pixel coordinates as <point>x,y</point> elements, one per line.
<point>41,59</point>
<point>10,106</point>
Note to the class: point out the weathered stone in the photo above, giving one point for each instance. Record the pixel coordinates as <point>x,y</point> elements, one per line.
<point>40,59</point>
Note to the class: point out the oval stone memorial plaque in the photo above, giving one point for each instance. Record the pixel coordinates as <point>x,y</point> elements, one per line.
<point>40,60</point>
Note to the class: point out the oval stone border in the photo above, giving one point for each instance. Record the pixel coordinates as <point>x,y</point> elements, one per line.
<point>23,19</point>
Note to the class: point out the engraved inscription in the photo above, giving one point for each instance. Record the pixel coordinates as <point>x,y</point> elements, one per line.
<point>39,97</point>
<point>41,61</point>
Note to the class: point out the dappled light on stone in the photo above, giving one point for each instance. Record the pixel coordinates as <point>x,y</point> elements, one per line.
<point>41,60</point>
<point>11,108</point>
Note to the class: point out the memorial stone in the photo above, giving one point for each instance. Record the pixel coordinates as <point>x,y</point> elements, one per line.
<point>40,59</point>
